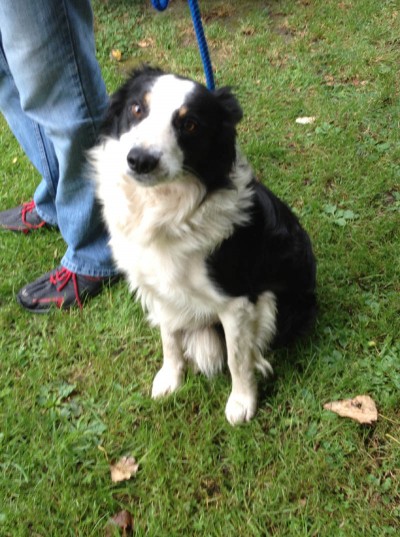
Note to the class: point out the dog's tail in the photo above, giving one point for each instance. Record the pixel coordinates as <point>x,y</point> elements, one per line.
<point>205,348</point>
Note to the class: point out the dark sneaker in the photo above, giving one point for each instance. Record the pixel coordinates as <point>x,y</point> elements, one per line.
<point>22,218</point>
<point>62,289</point>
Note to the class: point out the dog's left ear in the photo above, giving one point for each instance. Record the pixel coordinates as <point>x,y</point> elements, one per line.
<point>229,103</point>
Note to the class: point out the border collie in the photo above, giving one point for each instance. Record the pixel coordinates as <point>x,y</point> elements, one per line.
<point>220,264</point>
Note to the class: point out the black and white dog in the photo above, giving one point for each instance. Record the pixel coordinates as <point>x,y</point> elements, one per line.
<point>219,262</point>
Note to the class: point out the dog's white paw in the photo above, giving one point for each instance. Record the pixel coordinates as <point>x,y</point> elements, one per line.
<point>240,408</point>
<point>166,381</point>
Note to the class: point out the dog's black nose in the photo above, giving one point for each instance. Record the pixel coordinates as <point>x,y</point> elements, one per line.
<point>142,161</point>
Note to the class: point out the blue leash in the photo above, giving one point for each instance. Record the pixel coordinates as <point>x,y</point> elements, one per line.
<point>161,5</point>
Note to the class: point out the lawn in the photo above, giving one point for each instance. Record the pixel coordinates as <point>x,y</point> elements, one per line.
<point>74,388</point>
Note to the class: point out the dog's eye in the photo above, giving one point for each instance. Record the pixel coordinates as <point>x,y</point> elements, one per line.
<point>137,111</point>
<point>190,125</point>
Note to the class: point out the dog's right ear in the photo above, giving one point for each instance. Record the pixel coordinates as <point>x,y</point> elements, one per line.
<point>229,103</point>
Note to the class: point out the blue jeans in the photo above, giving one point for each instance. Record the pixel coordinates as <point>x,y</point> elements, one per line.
<point>53,97</point>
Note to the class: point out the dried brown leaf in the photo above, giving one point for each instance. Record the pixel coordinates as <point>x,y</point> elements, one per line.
<point>123,521</point>
<point>124,469</point>
<point>362,409</point>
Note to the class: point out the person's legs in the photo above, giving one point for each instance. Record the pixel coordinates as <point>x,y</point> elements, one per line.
<point>33,141</point>
<point>61,89</point>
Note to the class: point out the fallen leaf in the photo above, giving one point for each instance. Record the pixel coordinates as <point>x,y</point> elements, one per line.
<point>123,521</point>
<point>362,409</point>
<point>305,120</point>
<point>116,55</point>
<point>124,469</point>
<point>146,43</point>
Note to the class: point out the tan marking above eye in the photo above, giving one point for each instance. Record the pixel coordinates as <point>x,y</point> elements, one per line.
<point>147,98</point>
<point>183,110</point>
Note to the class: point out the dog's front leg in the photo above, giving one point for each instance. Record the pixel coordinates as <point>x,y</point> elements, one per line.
<point>170,376</point>
<point>238,323</point>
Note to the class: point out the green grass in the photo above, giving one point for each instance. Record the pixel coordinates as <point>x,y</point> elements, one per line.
<point>74,389</point>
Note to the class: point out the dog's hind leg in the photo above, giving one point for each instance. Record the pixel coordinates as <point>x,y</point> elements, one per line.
<point>170,376</point>
<point>205,348</point>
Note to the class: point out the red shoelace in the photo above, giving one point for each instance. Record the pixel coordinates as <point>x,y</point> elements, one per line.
<point>28,208</point>
<point>61,278</point>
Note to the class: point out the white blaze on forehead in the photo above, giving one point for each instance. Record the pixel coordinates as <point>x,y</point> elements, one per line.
<point>167,95</point>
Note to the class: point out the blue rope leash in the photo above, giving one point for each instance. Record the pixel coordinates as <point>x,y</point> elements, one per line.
<point>161,5</point>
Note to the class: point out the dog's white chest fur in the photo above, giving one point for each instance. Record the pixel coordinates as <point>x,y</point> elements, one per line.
<point>161,237</point>
<point>176,292</point>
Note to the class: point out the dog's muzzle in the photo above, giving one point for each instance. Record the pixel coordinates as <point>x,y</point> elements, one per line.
<point>142,161</point>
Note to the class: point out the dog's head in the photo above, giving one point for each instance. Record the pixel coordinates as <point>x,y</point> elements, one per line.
<point>168,126</point>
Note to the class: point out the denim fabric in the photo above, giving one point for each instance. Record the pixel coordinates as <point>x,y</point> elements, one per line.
<point>53,97</point>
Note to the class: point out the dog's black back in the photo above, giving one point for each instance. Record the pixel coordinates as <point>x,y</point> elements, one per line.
<point>270,253</point>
